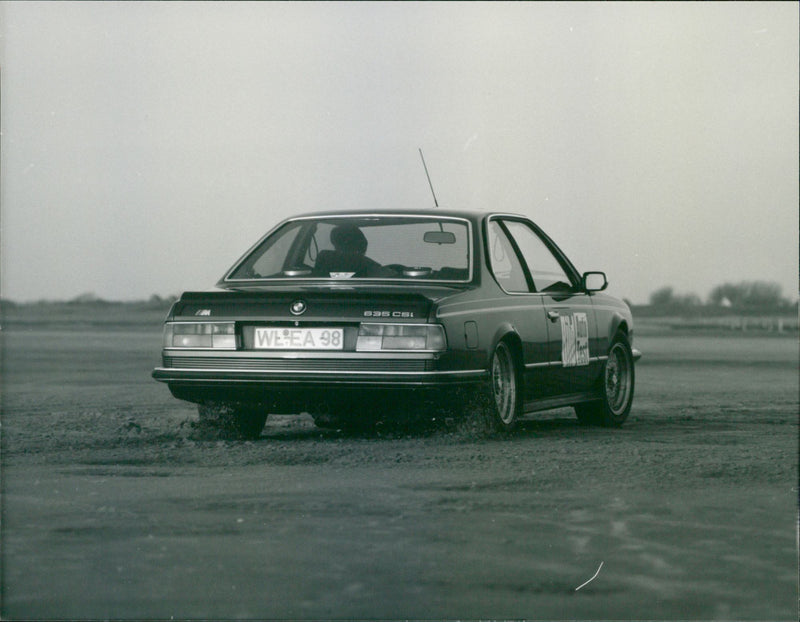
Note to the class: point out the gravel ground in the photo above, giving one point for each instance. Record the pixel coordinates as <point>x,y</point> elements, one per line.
<point>116,505</point>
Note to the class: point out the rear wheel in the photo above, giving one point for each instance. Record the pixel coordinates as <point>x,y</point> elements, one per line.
<point>500,400</point>
<point>617,382</point>
<point>233,420</point>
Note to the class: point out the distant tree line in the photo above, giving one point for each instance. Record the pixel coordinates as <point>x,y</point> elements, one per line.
<point>91,299</point>
<point>745,296</point>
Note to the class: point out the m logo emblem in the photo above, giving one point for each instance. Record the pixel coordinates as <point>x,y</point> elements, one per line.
<point>298,307</point>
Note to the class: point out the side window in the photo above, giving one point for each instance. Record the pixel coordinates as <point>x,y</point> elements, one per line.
<point>503,260</point>
<point>547,273</point>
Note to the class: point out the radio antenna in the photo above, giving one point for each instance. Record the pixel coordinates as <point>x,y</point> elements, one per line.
<point>425,166</point>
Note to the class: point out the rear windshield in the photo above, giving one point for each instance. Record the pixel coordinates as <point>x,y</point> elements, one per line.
<point>375,247</point>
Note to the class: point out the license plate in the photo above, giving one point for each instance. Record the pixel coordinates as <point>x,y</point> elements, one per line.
<point>299,338</point>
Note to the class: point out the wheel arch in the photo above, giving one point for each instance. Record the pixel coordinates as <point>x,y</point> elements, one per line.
<point>618,323</point>
<point>507,333</point>
<point>500,413</point>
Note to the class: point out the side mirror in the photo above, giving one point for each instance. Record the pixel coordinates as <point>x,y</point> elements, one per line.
<point>594,281</point>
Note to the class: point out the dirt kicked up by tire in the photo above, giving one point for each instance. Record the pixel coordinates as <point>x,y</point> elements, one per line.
<point>245,422</point>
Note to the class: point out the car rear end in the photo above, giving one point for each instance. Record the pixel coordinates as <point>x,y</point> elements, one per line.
<point>326,305</point>
<point>292,348</point>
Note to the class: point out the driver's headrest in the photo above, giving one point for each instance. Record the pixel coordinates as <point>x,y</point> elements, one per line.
<point>349,239</point>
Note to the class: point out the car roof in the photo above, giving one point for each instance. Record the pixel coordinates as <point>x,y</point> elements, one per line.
<point>469,214</point>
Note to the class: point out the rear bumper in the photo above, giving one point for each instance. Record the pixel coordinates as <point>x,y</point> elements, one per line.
<point>314,391</point>
<point>281,380</point>
<point>322,370</point>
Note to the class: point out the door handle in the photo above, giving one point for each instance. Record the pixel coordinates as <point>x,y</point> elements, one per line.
<point>552,316</point>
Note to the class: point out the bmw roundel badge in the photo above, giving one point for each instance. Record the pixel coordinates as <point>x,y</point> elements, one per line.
<point>298,307</point>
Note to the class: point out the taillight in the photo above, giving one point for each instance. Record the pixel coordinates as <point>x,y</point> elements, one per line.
<point>415,337</point>
<point>200,335</point>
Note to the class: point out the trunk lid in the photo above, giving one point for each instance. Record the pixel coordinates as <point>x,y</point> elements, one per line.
<point>338,304</point>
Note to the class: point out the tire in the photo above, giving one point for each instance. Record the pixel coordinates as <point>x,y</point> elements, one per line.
<point>233,421</point>
<point>616,388</point>
<point>501,404</point>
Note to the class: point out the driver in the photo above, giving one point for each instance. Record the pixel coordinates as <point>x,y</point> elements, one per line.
<point>350,246</point>
<point>349,239</point>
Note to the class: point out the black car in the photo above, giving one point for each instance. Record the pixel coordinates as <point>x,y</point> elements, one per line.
<point>353,315</point>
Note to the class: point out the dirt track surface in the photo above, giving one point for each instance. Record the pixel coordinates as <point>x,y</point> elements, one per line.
<point>115,505</point>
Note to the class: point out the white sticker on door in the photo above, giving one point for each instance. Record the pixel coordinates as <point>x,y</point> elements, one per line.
<point>574,340</point>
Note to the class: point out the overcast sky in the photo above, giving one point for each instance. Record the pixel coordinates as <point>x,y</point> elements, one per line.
<point>146,146</point>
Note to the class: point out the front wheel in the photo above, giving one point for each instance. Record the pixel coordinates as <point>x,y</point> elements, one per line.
<point>616,391</point>
<point>233,421</point>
